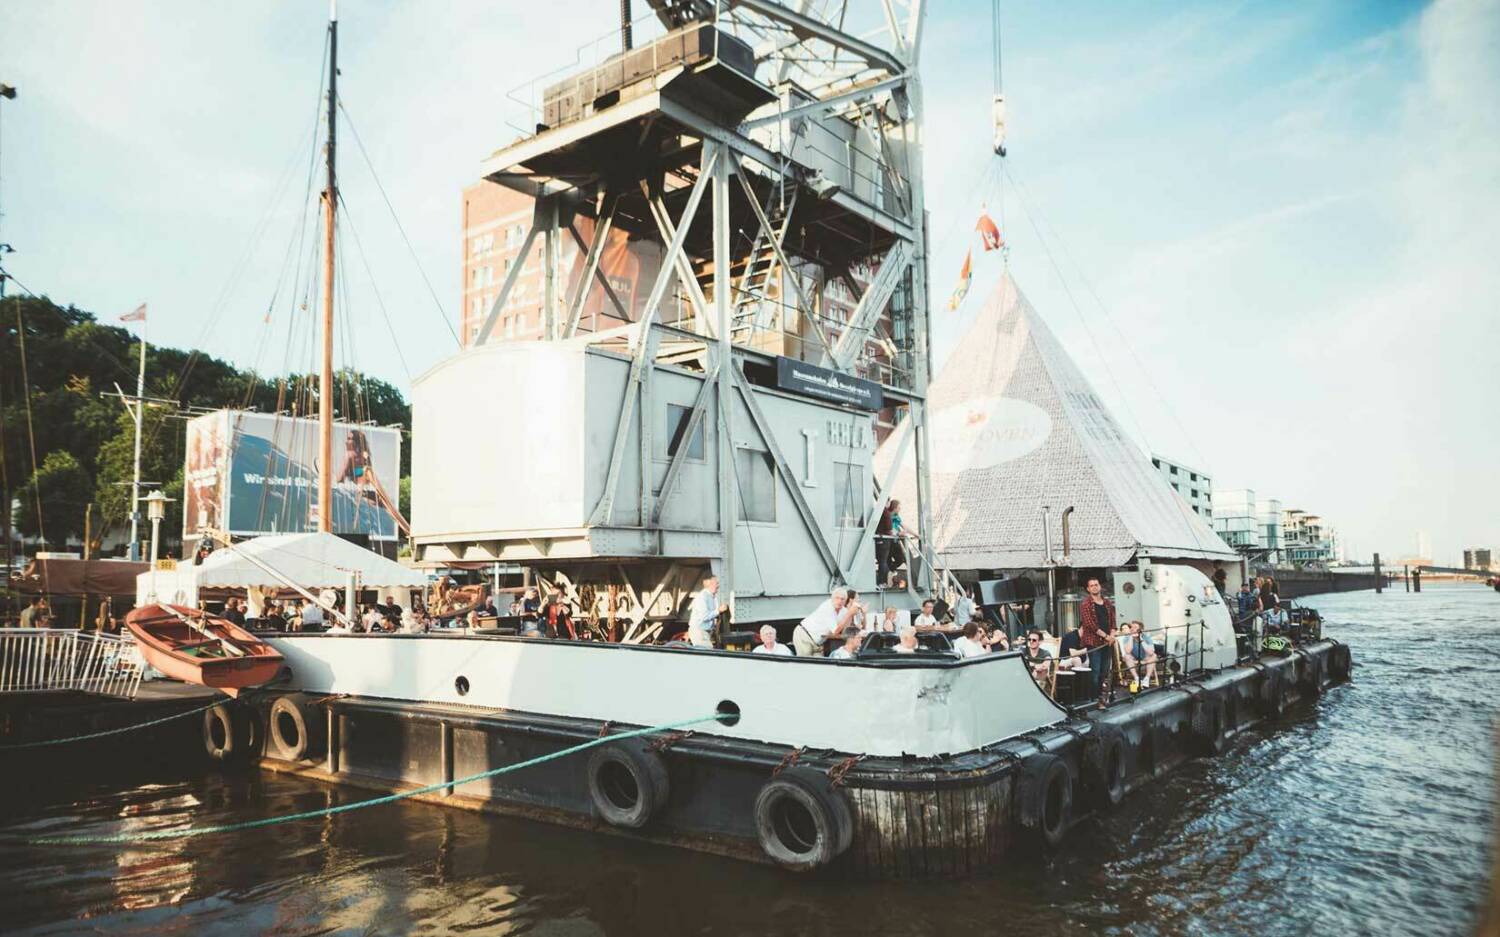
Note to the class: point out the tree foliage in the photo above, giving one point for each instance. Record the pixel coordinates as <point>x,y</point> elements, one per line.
<point>72,360</point>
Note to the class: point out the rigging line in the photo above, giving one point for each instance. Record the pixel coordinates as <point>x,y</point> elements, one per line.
<point>294,243</point>
<point>1082,320</point>
<point>379,300</point>
<point>360,145</point>
<point>1179,502</point>
<point>1125,338</point>
<point>36,489</point>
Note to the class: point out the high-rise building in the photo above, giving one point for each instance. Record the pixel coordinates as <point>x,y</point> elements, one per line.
<point>1424,546</point>
<point>1195,487</point>
<point>1236,521</point>
<point>1306,539</point>
<point>1481,558</point>
<point>1268,517</point>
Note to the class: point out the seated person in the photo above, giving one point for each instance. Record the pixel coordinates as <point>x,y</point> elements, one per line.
<point>1275,619</point>
<point>850,648</point>
<point>1037,654</point>
<point>995,639</point>
<point>1138,655</point>
<point>927,620</point>
<point>769,645</point>
<point>969,643</point>
<point>890,620</point>
<point>1071,654</point>
<point>908,643</point>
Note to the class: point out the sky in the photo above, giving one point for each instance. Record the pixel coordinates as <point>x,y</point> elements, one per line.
<point>1267,230</point>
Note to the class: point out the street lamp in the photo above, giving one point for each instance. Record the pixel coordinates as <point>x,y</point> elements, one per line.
<point>156,509</point>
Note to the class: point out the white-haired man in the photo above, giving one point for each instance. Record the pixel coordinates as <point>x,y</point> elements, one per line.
<point>908,643</point>
<point>705,613</point>
<point>832,616</point>
<point>768,643</point>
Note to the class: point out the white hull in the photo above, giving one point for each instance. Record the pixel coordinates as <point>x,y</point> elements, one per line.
<point>918,707</point>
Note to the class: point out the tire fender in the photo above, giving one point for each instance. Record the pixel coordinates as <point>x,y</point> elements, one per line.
<point>230,732</point>
<point>802,821</point>
<point>296,729</point>
<point>627,783</point>
<point>1208,730</point>
<point>1044,800</point>
<point>1269,699</point>
<point>1105,754</point>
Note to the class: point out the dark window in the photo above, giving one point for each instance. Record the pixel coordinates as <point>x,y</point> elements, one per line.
<point>1174,470</point>
<point>756,477</point>
<point>677,424</point>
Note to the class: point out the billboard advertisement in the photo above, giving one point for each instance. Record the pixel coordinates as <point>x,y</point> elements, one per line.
<point>257,473</point>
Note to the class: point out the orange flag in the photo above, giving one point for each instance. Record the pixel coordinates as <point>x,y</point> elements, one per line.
<point>989,232</point>
<point>965,277</point>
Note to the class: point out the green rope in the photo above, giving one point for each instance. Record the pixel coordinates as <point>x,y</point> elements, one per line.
<point>357,805</point>
<point>97,735</point>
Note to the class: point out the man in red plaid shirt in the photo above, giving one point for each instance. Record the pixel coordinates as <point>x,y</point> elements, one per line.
<point>1096,633</point>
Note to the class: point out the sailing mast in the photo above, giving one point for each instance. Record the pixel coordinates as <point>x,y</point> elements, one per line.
<point>325,381</point>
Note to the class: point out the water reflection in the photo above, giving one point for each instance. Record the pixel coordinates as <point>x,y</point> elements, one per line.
<point>1358,816</point>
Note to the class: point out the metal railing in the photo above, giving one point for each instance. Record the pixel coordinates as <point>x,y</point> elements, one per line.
<point>39,660</point>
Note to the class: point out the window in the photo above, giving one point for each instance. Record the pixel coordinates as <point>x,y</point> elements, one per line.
<point>1174,470</point>
<point>1195,492</point>
<point>1192,476</point>
<point>521,322</point>
<point>677,424</point>
<point>1156,462</point>
<point>476,277</point>
<point>1175,487</point>
<point>510,328</point>
<point>756,480</point>
<point>848,494</point>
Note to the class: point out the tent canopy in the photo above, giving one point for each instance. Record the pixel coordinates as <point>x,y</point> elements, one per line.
<point>313,561</point>
<point>1014,425</point>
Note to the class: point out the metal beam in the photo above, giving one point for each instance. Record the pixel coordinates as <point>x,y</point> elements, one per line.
<point>590,263</point>
<point>639,363</point>
<point>729,514</point>
<point>684,269</point>
<point>788,478</point>
<point>695,419</point>
<point>609,291</point>
<point>506,287</point>
<point>871,304</point>
<point>823,105</point>
<point>808,26</point>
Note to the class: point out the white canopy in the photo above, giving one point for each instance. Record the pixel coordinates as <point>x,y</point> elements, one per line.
<point>1014,425</point>
<point>313,561</point>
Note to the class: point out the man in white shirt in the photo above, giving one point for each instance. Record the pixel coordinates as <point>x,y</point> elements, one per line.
<point>850,648</point>
<point>926,621</point>
<point>768,643</point>
<point>831,616</point>
<point>704,613</point>
<point>968,644</point>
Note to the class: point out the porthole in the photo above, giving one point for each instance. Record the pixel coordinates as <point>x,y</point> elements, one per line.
<point>728,712</point>
<point>461,685</point>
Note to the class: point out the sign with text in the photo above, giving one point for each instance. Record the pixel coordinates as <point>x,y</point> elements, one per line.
<point>813,381</point>
<point>256,473</point>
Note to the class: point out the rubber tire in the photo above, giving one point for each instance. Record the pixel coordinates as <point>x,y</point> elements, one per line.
<point>1312,677</point>
<point>310,728</point>
<point>1104,771</point>
<point>1269,699</point>
<point>648,773</point>
<point>1340,663</point>
<point>833,824</point>
<point>1209,734</point>
<point>1044,776</point>
<point>240,730</point>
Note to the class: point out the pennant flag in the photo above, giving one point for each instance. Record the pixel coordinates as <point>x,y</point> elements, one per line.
<point>136,315</point>
<point>965,277</point>
<point>989,232</point>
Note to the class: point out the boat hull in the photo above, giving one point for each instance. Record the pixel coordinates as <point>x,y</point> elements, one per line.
<point>162,638</point>
<point>942,815</point>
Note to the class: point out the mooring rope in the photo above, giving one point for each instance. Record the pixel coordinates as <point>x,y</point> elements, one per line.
<point>357,805</point>
<point>122,729</point>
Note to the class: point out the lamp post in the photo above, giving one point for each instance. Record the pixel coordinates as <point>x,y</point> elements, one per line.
<point>156,509</point>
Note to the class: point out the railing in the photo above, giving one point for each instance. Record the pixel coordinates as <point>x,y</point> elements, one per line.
<point>38,660</point>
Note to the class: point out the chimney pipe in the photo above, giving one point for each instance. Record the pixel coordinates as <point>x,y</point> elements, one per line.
<point>1067,541</point>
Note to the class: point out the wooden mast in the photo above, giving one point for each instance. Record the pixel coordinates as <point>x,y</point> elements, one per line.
<point>330,201</point>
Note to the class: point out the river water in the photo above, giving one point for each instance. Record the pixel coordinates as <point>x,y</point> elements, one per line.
<point>1368,813</point>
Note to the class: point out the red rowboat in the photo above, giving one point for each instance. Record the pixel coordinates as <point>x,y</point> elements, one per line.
<point>192,646</point>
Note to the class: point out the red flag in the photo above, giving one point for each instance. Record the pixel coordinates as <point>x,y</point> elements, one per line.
<point>989,232</point>
<point>138,314</point>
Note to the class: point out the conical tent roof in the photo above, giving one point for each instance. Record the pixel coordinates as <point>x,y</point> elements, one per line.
<point>1014,425</point>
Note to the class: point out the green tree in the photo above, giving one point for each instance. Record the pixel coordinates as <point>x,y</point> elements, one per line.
<point>403,500</point>
<point>63,488</point>
<point>161,462</point>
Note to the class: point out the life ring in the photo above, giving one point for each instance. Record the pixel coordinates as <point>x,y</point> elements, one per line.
<point>1340,663</point>
<point>1269,698</point>
<point>296,729</point>
<point>230,732</point>
<point>627,783</point>
<point>802,821</point>
<point>1104,766</point>
<point>1207,724</point>
<point>1044,800</point>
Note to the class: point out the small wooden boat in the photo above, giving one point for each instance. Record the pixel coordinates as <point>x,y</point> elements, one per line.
<point>190,645</point>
